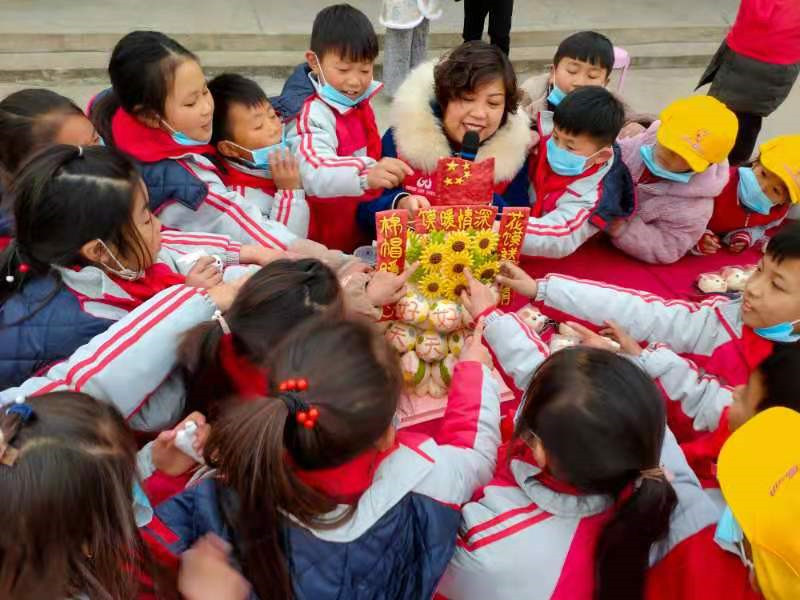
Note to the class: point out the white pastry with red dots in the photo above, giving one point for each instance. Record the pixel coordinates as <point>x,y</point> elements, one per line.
<point>431,346</point>
<point>401,336</point>
<point>445,316</point>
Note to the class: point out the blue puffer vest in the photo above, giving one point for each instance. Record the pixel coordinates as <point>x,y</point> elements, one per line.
<point>402,556</point>
<point>36,332</point>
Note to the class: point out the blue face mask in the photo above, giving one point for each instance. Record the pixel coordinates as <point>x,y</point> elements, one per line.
<point>331,94</point>
<point>750,193</point>
<point>556,95</point>
<point>564,162</point>
<point>142,510</point>
<point>659,171</point>
<point>782,332</point>
<point>181,138</point>
<point>260,156</point>
<point>729,536</point>
<point>100,141</point>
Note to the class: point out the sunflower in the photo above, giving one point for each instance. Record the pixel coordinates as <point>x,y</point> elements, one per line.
<point>453,288</point>
<point>455,264</point>
<point>432,285</point>
<point>488,271</point>
<point>458,242</point>
<point>433,256</point>
<point>484,242</point>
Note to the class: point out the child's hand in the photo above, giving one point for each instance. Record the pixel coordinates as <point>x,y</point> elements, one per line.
<point>224,294</point>
<point>474,350</point>
<point>167,458</point>
<point>413,204</point>
<point>478,298</point>
<point>204,274</point>
<point>590,338</point>
<point>709,243</point>
<point>206,574</point>
<point>387,288</point>
<point>627,344</point>
<point>513,276</point>
<point>285,170</point>
<point>253,254</point>
<point>387,174</point>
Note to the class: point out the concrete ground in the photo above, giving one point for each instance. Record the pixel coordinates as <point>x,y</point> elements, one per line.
<point>646,90</point>
<point>263,16</point>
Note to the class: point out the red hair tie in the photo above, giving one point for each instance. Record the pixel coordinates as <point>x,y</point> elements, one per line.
<point>304,414</point>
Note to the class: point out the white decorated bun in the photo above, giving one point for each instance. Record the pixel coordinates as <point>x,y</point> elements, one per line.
<point>711,283</point>
<point>445,316</point>
<point>455,341</point>
<point>735,278</point>
<point>412,308</point>
<point>401,336</point>
<point>532,317</point>
<point>431,346</point>
<point>414,370</point>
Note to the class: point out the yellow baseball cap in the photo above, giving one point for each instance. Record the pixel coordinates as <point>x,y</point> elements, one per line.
<point>781,156</point>
<point>759,473</point>
<point>700,129</point>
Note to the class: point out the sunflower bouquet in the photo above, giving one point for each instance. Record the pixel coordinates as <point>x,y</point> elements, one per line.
<point>429,325</point>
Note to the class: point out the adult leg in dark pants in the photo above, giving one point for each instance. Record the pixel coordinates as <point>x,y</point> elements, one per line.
<point>749,127</point>
<point>475,12</point>
<point>500,24</point>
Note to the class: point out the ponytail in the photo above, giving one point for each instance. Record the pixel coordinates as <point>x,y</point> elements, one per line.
<point>274,300</point>
<point>248,447</point>
<point>602,421</point>
<point>622,554</point>
<point>101,114</point>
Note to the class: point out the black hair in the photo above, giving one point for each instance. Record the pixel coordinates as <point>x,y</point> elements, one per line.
<point>468,67</point>
<point>228,89</point>
<point>64,197</point>
<point>593,111</point>
<point>141,69</point>
<point>589,47</point>
<point>785,244</point>
<point>779,376</point>
<point>29,120</point>
<point>602,423</point>
<point>345,31</point>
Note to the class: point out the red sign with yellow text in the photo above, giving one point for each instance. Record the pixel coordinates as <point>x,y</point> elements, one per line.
<point>455,218</point>
<point>513,223</point>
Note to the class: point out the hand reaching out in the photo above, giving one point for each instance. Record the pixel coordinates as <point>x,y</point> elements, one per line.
<point>204,274</point>
<point>387,288</point>
<point>517,279</point>
<point>167,458</point>
<point>474,349</point>
<point>478,298</point>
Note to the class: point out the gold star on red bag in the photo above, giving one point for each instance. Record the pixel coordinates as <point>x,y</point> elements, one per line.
<point>463,182</point>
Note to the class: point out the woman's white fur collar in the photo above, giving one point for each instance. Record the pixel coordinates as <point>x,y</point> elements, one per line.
<point>420,140</point>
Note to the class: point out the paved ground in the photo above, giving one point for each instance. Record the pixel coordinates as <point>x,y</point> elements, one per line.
<point>645,90</point>
<point>295,16</point>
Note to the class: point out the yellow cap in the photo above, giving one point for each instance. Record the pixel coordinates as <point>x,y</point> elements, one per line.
<point>781,156</point>
<point>700,129</point>
<point>759,473</point>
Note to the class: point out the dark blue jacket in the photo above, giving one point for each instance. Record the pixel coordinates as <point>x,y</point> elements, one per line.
<point>295,92</point>
<point>618,197</point>
<point>402,555</point>
<point>41,324</point>
<point>516,194</point>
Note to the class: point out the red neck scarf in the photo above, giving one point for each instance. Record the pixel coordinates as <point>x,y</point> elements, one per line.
<point>148,144</point>
<point>347,482</point>
<point>157,278</point>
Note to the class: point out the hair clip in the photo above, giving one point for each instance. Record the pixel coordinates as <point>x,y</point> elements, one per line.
<point>80,151</point>
<point>226,330</point>
<point>294,385</point>
<point>8,454</point>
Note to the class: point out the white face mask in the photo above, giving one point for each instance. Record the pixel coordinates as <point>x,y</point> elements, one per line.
<point>122,271</point>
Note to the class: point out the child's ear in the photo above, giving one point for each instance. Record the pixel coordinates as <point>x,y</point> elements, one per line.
<point>93,251</point>
<point>311,59</point>
<point>603,155</point>
<point>147,117</point>
<point>386,441</point>
<point>229,150</point>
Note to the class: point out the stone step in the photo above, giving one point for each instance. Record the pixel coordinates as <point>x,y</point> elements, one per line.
<point>16,67</point>
<point>16,43</point>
